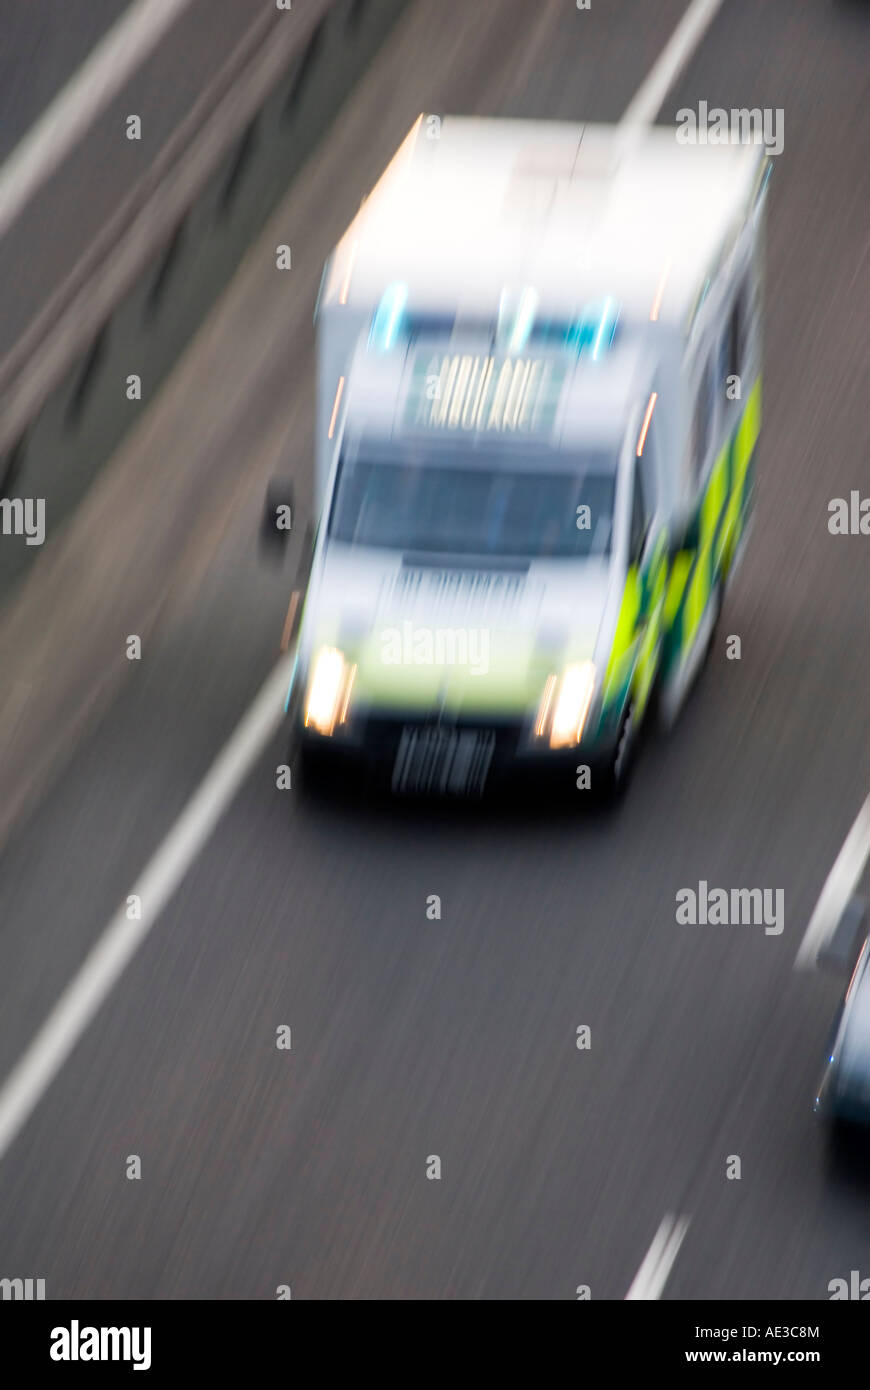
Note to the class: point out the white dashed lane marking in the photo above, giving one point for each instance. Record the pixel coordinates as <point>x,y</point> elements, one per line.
<point>649,1282</point>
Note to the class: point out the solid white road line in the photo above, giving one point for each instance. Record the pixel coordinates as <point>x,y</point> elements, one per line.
<point>685,39</point>
<point>121,939</point>
<point>839,887</point>
<point>649,1282</point>
<point>107,961</point>
<point>103,74</point>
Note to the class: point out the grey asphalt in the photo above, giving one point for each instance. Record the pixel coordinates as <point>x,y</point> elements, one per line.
<point>456,1038</point>
<point>41,45</point>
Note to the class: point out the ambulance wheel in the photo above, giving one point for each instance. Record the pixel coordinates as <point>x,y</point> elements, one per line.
<point>329,775</point>
<point>616,774</point>
<point>716,599</point>
<point>678,685</point>
<point>317,769</point>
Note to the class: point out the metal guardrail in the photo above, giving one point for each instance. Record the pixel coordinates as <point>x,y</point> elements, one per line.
<point>134,300</point>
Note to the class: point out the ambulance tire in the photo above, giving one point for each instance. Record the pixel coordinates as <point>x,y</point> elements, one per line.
<point>671,699</point>
<point>717,600</point>
<point>317,771</point>
<point>329,776</point>
<point>613,778</point>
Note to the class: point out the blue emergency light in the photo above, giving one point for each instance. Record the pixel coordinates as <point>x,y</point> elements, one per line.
<point>594,328</point>
<point>388,317</point>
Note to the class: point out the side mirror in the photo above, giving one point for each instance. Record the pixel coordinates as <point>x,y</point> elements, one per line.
<point>279,514</point>
<point>307,555</point>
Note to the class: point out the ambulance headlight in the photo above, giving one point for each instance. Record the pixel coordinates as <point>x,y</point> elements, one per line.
<point>329,688</point>
<point>565,705</point>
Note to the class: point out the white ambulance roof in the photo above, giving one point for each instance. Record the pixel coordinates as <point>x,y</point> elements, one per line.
<point>576,212</point>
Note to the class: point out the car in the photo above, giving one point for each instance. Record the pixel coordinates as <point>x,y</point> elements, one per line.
<point>843,1095</point>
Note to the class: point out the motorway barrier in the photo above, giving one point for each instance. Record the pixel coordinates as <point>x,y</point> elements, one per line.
<point>134,300</point>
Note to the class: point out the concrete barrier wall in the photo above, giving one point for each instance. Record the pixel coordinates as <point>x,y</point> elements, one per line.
<point>131,306</point>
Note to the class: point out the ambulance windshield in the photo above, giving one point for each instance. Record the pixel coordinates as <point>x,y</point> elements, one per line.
<point>466,502</point>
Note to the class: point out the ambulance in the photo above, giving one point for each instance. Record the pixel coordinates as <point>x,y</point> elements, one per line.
<point>539,400</point>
